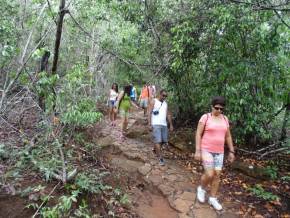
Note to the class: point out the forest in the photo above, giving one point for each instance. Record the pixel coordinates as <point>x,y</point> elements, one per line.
<point>59,156</point>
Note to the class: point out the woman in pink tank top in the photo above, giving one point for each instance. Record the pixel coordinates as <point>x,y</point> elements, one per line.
<point>211,134</point>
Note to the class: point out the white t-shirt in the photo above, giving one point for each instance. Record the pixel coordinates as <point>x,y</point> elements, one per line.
<point>113,95</point>
<point>159,119</point>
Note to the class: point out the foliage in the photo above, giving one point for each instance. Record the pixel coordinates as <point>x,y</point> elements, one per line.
<point>272,171</point>
<point>44,88</point>
<point>237,53</point>
<point>76,106</point>
<point>261,193</point>
<point>8,32</point>
<point>92,182</point>
<point>62,208</point>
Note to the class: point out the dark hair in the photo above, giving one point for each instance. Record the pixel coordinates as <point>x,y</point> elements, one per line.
<point>218,100</point>
<point>116,86</point>
<point>161,91</point>
<point>127,90</point>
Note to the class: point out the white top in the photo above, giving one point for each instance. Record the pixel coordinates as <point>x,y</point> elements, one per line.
<point>113,95</point>
<point>159,119</point>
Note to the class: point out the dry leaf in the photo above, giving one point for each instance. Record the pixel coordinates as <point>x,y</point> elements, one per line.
<point>244,186</point>
<point>276,202</point>
<point>269,207</point>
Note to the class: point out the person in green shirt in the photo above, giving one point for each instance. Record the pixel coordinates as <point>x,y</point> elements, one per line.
<point>124,105</point>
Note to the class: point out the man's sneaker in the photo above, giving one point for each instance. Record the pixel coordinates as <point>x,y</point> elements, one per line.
<point>161,162</point>
<point>214,202</point>
<point>201,194</point>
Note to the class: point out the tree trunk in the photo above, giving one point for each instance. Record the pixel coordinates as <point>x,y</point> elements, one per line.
<point>44,61</point>
<point>61,12</point>
<point>43,67</point>
<point>285,121</point>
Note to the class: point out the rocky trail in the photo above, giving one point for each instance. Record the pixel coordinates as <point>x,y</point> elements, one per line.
<point>158,191</point>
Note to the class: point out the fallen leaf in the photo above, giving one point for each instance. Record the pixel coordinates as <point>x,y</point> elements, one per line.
<point>269,207</point>
<point>276,202</point>
<point>244,186</point>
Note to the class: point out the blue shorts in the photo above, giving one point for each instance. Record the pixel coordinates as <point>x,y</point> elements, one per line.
<point>160,134</point>
<point>144,103</point>
<point>133,98</point>
<point>212,160</point>
<point>112,103</point>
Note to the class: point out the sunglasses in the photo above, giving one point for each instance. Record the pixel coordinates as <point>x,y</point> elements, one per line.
<point>219,108</point>
<point>165,96</point>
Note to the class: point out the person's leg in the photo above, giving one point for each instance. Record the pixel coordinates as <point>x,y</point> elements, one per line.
<point>215,183</point>
<point>145,111</point>
<point>111,114</point>
<point>157,138</point>
<point>125,124</point>
<point>157,149</point>
<point>111,111</point>
<point>164,137</point>
<point>218,164</point>
<point>207,177</point>
<point>114,117</point>
<point>142,105</point>
<point>145,106</point>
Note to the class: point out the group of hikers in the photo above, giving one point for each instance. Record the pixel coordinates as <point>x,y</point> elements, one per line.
<point>212,132</point>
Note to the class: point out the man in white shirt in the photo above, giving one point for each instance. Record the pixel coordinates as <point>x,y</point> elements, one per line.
<point>158,115</point>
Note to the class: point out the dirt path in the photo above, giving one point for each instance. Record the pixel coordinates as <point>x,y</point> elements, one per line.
<point>161,191</point>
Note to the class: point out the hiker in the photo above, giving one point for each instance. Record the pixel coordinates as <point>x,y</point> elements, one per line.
<point>211,134</point>
<point>144,98</point>
<point>157,115</point>
<point>133,93</point>
<point>123,105</point>
<point>113,94</point>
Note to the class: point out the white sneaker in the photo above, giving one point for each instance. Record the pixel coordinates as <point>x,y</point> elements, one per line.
<point>201,194</point>
<point>214,202</point>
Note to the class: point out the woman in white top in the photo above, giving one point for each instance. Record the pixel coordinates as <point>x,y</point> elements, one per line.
<point>113,95</point>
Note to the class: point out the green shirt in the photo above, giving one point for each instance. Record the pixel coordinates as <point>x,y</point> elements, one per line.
<point>125,103</point>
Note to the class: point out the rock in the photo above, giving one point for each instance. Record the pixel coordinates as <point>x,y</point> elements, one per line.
<point>184,215</point>
<point>155,179</point>
<point>34,197</point>
<point>189,196</point>
<point>144,170</point>
<point>183,139</point>
<point>204,212</point>
<point>170,178</point>
<point>228,215</point>
<point>182,205</point>
<point>106,141</point>
<point>166,189</point>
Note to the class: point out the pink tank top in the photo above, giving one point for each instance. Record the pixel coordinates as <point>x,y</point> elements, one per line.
<point>213,138</point>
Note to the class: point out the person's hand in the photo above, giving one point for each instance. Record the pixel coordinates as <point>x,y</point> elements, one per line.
<point>171,128</point>
<point>197,155</point>
<point>231,157</point>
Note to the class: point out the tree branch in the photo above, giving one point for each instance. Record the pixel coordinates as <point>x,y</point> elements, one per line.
<point>282,20</point>
<point>263,7</point>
